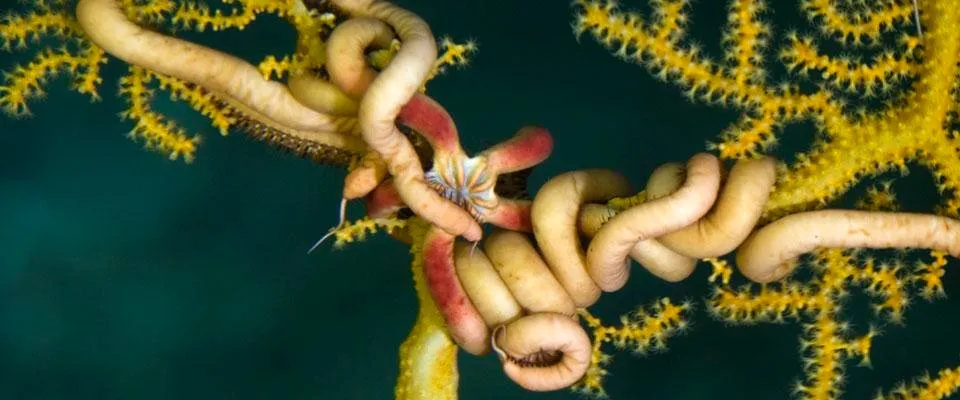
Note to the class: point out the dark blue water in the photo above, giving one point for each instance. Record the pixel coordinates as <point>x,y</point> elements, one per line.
<point>124,275</point>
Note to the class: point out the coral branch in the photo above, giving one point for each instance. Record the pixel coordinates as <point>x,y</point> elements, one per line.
<point>16,30</point>
<point>644,330</point>
<point>155,130</point>
<point>428,357</point>
<point>867,23</point>
<point>946,383</point>
<point>747,37</point>
<point>911,127</point>
<point>852,75</point>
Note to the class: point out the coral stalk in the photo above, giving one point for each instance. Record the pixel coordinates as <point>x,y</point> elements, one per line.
<point>428,357</point>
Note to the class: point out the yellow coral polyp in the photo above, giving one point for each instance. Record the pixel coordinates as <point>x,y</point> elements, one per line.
<point>16,30</point>
<point>746,38</point>
<point>149,11</point>
<point>360,229</point>
<point>930,275</point>
<point>827,341</point>
<point>946,384</point>
<point>868,23</point>
<point>156,131</point>
<point>198,16</point>
<point>455,54</point>
<point>198,99</point>
<point>851,75</point>
<point>909,128</point>
<point>272,67</point>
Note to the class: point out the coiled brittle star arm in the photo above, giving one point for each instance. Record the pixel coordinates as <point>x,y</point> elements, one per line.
<point>231,79</point>
<point>522,298</point>
<point>764,253</point>
<point>469,182</point>
<point>347,50</point>
<point>769,254</point>
<point>390,91</point>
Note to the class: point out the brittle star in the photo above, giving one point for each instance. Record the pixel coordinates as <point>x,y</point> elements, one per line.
<point>469,182</point>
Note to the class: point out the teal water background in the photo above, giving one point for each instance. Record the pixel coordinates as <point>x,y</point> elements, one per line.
<point>124,275</point>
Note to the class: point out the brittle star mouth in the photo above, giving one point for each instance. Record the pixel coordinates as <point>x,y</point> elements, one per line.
<point>467,182</point>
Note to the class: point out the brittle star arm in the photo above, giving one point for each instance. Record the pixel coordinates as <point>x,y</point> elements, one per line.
<point>231,79</point>
<point>386,95</point>
<point>469,182</point>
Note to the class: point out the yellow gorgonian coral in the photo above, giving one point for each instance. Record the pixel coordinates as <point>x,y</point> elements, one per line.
<point>641,331</point>
<point>944,385</point>
<point>827,341</point>
<point>914,78</point>
<point>914,125</point>
<point>76,56</point>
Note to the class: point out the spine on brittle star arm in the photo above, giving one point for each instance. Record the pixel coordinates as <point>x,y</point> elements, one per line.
<point>529,147</point>
<point>465,323</point>
<point>107,26</point>
<point>768,254</point>
<point>607,254</point>
<point>543,351</point>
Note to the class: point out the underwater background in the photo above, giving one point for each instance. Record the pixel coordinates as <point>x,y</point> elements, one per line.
<point>124,275</point>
